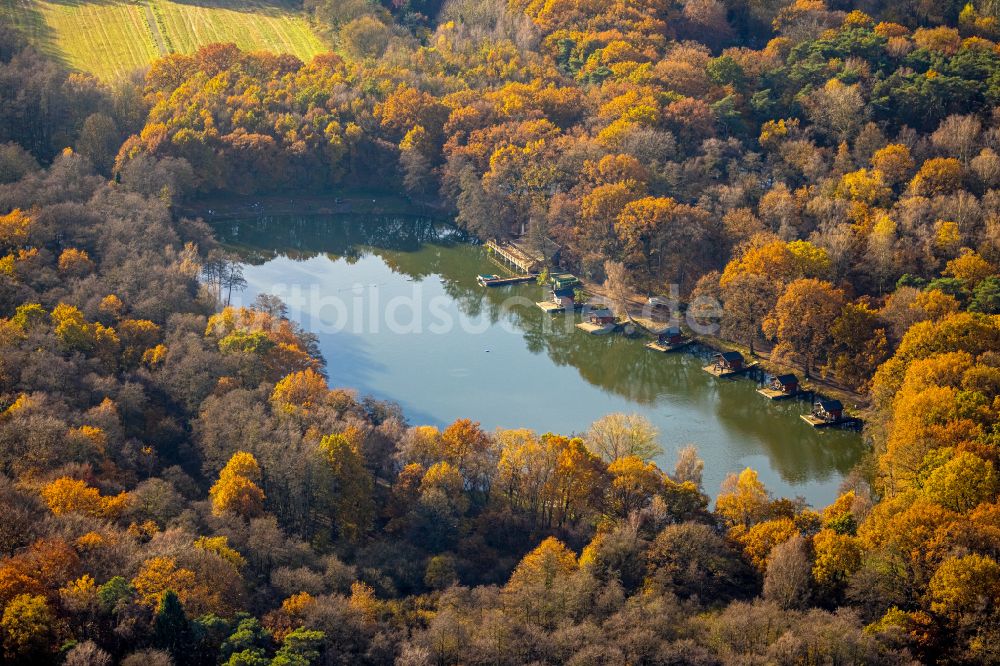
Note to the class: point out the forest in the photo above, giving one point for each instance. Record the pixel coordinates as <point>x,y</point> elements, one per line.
<point>184,483</point>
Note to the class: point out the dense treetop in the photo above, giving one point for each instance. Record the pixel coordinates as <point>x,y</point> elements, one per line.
<point>184,484</point>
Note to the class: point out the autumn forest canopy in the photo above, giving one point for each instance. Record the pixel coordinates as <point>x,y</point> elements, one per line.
<point>185,483</point>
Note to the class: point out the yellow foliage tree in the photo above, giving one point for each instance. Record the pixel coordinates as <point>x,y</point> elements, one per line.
<point>80,595</point>
<point>962,483</point>
<point>970,268</point>
<point>26,626</point>
<point>15,227</point>
<point>743,500</point>
<point>236,491</point>
<point>159,574</point>
<point>363,600</point>
<point>350,485</point>
<point>112,306</point>
<point>894,162</point>
<point>938,175</point>
<point>936,304</point>
<point>863,185</point>
<point>542,566</point>
<point>220,546</point>
<point>968,585</point>
<point>75,263</point>
<point>68,495</point>
<point>837,557</point>
<point>634,483</point>
<point>303,390</point>
<point>761,539</point>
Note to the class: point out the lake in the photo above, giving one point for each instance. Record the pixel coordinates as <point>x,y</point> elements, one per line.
<point>399,315</point>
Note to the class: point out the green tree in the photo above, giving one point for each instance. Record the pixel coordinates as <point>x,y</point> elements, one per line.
<point>171,629</point>
<point>986,297</point>
<point>300,648</point>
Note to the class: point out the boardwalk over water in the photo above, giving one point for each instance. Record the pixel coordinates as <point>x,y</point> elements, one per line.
<point>496,281</point>
<point>515,256</point>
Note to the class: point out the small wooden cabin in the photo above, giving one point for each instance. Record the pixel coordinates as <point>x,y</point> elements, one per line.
<point>731,361</point>
<point>828,410</point>
<point>669,340</point>
<point>788,384</point>
<point>671,336</point>
<point>602,317</point>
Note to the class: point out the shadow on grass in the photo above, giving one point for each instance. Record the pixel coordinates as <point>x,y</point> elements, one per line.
<point>26,19</point>
<point>271,7</point>
<point>76,3</point>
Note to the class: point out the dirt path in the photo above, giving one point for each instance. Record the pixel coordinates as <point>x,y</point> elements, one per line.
<point>154,28</point>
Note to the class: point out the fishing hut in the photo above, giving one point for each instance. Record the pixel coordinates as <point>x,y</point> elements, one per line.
<point>728,364</point>
<point>670,340</point>
<point>562,293</point>
<point>599,322</point>
<point>780,387</point>
<point>826,412</point>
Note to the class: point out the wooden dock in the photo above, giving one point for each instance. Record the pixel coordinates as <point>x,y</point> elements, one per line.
<point>596,329</point>
<point>817,422</point>
<point>551,307</point>
<point>775,394</point>
<point>497,281</point>
<point>716,371</point>
<point>664,347</point>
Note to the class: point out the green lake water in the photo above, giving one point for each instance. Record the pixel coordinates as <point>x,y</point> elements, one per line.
<point>399,316</point>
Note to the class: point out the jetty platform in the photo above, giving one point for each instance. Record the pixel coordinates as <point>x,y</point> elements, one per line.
<point>596,329</point>
<point>717,371</point>
<point>664,347</point>
<point>817,422</point>
<point>775,394</point>
<point>497,281</point>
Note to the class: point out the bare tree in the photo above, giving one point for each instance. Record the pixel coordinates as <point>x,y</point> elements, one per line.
<point>689,466</point>
<point>224,274</point>
<point>620,435</point>
<point>789,574</point>
<point>616,288</point>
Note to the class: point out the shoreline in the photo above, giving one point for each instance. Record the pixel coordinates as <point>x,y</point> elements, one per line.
<point>221,207</point>
<point>857,404</point>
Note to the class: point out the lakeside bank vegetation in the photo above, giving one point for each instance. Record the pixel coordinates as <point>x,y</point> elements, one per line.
<point>183,485</point>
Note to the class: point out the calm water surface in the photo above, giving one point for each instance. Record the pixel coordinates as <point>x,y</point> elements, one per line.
<point>399,316</point>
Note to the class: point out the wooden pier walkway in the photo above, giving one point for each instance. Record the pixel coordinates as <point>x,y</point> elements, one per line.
<point>515,257</point>
<point>497,281</point>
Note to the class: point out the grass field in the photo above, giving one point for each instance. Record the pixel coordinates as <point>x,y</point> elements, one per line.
<point>111,38</point>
